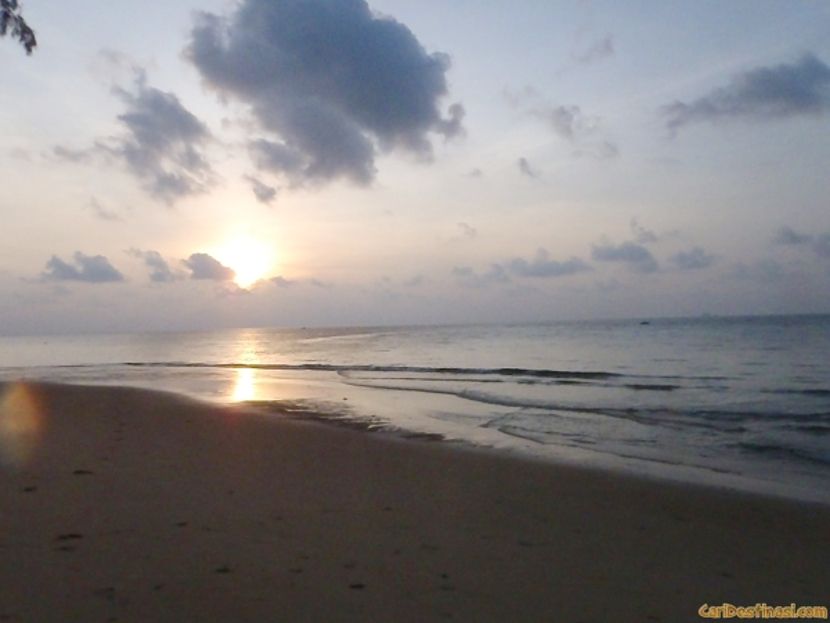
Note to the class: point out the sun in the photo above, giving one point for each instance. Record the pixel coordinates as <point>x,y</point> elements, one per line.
<point>249,258</point>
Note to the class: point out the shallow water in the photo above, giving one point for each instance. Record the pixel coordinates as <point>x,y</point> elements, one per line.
<point>738,401</point>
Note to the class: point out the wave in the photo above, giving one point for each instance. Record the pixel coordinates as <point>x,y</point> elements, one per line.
<point>514,373</point>
<point>327,367</point>
<point>786,452</point>
<point>815,392</point>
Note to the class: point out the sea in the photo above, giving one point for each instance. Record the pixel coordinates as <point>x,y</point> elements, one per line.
<point>735,402</point>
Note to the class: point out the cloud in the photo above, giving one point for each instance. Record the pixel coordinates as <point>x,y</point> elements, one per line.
<point>160,271</point>
<point>641,234</point>
<point>596,51</point>
<point>85,268</point>
<point>282,282</point>
<point>693,259</point>
<point>262,191</point>
<point>601,150</point>
<point>415,282</point>
<point>568,122</point>
<point>789,237</point>
<point>542,266</point>
<point>328,83</point>
<point>102,213</point>
<point>636,256</point>
<point>468,231</point>
<point>819,244</point>
<point>162,146</point>
<point>786,90</point>
<point>526,169</point>
<point>763,271</point>
<point>204,266</point>
<point>72,155</point>
<point>467,277</point>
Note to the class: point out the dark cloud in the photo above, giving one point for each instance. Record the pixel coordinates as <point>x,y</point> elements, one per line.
<point>525,168</point>
<point>160,271</point>
<point>332,80</point>
<point>86,268</point>
<point>780,91</point>
<point>468,277</point>
<point>636,256</point>
<point>596,51</point>
<point>204,266</point>
<point>162,146</point>
<point>262,191</point>
<point>542,266</point>
<point>693,259</point>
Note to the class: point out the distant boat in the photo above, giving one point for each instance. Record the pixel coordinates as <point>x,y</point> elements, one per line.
<point>645,322</point>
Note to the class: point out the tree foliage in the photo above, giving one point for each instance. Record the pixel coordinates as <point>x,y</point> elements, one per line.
<point>12,22</point>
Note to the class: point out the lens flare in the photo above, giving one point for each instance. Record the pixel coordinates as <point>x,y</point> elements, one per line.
<point>20,424</point>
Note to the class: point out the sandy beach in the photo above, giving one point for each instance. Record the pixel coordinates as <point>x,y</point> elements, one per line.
<point>128,505</point>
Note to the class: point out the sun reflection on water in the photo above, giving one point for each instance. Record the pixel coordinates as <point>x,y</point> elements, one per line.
<point>244,387</point>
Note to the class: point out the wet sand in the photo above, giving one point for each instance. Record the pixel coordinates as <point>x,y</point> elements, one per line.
<point>128,505</point>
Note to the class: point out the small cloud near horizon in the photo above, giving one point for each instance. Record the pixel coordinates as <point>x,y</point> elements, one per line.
<point>693,259</point>
<point>204,266</point>
<point>635,256</point>
<point>84,268</point>
<point>160,271</point>
<point>818,243</point>
<point>541,266</point>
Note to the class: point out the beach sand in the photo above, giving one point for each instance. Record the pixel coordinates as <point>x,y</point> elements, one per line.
<point>128,505</point>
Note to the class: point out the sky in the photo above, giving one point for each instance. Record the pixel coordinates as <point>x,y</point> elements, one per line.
<point>208,164</point>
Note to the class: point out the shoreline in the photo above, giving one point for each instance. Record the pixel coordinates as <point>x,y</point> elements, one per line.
<point>144,505</point>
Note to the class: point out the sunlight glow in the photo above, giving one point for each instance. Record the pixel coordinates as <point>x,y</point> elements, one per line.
<point>20,424</point>
<point>250,259</point>
<point>244,387</point>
